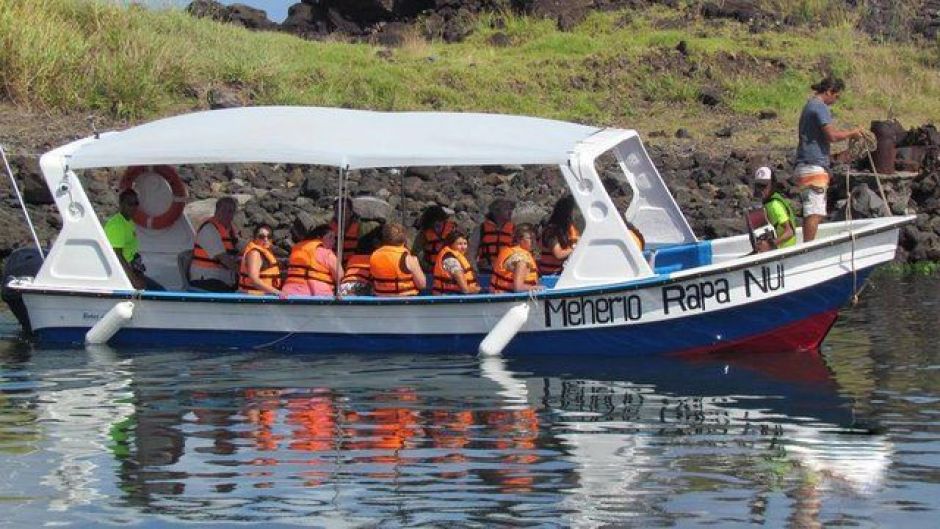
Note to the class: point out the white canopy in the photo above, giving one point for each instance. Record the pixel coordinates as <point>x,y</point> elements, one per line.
<point>336,137</point>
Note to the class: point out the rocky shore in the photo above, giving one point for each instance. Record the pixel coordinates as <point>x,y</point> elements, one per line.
<point>712,188</point>
<point>384,21</point>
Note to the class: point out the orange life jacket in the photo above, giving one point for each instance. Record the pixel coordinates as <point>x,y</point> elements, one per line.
<point>502,279</point>
<point>443,282</point>
<point>303,266</point>
<point>433,243</point>
<point>493,238</point>
<point>390,275</point>
<point>548,263</point>
<point>357,269</point>
<point>270,273</point>
<point>201,258</point>
<point>350,238</point>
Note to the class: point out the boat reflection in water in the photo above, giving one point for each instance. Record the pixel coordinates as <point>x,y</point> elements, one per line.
<point>348,440</point>
<point>642,433</point>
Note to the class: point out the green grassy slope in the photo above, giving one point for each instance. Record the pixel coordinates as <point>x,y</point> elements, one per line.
<point>615,68</point>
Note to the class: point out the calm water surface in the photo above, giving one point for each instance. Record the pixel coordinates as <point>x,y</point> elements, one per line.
<point>92,437</point>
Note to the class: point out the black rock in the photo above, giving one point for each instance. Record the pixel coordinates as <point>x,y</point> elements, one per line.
<point>709,96</point>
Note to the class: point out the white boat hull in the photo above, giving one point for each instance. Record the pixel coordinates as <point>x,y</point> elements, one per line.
<point>787,299</point>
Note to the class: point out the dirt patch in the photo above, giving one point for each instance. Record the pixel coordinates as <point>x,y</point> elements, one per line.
<point>25,131</point>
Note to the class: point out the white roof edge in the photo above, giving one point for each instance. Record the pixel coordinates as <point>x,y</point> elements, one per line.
<point>356,139</point>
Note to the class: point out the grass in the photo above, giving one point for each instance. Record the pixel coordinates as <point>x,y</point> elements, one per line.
<point>920,268</point>
<point>618,68</point>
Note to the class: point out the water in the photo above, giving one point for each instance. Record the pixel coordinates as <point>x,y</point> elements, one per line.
<point>156,438</point>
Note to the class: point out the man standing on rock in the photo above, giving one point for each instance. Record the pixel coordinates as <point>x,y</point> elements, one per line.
<point>816,134</point>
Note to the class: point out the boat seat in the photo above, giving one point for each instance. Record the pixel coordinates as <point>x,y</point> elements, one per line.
<point>673,258</point>
<point>183,260</point>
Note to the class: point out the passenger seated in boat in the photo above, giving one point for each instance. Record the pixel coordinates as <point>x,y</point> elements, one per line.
<point>516,270</point>
<point>312,269</point>
<point>122,236</point>
<point>357,281</point>
<point>495,233</point>
<point>453,273</point>
<point>259,272</point>
<point>352,228</point>
<point>215,250</point>
<point>559,237</point>
<point>778,211</point>
<point>434,226</point>
<point>395,272</point>
<point>636,235</point>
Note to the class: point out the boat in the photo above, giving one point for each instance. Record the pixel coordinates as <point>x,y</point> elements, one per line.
<point>679,295</point>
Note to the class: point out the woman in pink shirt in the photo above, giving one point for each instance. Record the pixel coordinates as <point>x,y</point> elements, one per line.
<point>313,269</point>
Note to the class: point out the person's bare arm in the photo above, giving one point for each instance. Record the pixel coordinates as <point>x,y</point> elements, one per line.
<point>462,283</point>
<point>519,273</point>
<point>254,273</point>
<point>787,233</point>
<point>137,280</point>
<point>834,135</point>
<point>561,253</point>
<point>411,262</point>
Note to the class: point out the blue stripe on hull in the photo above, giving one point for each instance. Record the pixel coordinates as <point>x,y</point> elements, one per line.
<point>691,332</point>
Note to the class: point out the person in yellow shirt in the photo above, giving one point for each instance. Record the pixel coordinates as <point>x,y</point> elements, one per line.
<point>122,236</point>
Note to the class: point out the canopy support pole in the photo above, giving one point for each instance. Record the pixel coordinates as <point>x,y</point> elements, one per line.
<point>401,187</point>
<point>340,223</point>
<point>19,196</point>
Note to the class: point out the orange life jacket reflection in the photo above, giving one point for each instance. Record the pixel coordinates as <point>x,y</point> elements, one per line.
<point>434,242</point>
<point>303,266</point>
<point>350,238</point>
<point>270,273</point>
<point>516,433</point>
<point>443,282</point>
<point>502,279</point>
<point>201,258</point>
<point>390,275</point>
<point>261,413</point>
<point>493,238</point>
<point>548,263</point>
<point>313,422</point>
<point>357,269</point>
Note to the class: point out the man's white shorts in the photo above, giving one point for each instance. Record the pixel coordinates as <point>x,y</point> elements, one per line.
<point>814,201</point>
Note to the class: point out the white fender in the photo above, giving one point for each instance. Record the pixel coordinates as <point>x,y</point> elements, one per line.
<point>504,330</point>
<point>111,323</point>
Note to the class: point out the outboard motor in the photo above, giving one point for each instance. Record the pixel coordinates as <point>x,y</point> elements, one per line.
<point>23,262</point>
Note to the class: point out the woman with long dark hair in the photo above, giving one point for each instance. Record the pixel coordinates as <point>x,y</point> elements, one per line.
<point>559,237</point>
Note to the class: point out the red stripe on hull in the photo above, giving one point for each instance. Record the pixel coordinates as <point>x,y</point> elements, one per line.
<point>800,336</point>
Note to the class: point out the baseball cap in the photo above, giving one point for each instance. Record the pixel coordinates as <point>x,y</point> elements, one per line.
<point>763,175</point>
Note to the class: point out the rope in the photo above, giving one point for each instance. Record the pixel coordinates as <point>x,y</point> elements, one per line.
<point>881,189</point>
<point>848,218</point>
<point>272,343</point>
<point>532,297</point>
<point>867,144</point>
<point>19,197</point>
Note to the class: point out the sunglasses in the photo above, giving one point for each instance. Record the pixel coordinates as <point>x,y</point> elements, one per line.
<point>263,236</point>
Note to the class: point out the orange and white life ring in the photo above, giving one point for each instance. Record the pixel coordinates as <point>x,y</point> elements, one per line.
<point>177,187</point>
